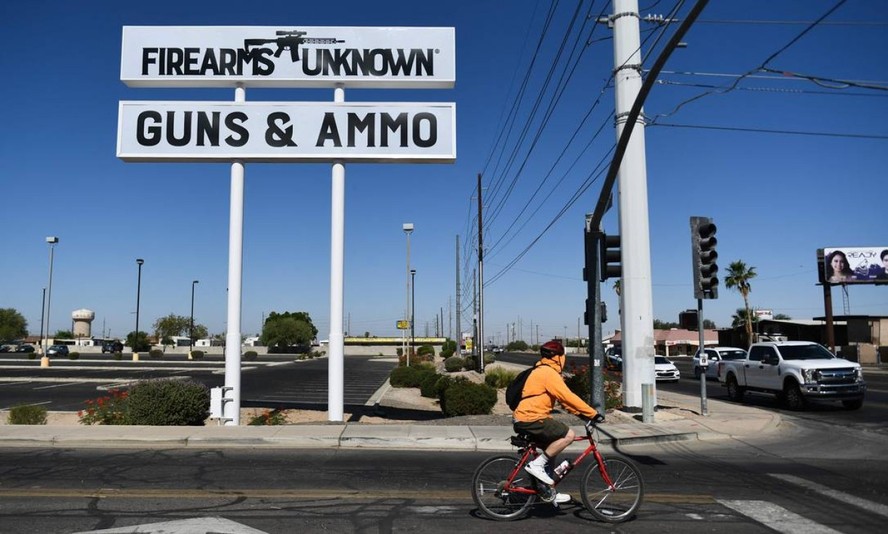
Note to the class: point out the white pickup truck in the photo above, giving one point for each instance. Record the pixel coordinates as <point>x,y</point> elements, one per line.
<point>794,371</point>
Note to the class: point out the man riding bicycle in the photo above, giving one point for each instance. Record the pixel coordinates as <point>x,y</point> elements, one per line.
<point>533,416</point>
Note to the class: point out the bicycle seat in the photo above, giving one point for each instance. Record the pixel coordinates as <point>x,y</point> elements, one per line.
<point>522,441</point>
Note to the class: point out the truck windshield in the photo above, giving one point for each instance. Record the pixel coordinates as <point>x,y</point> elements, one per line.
<point>805,352</point>
<point>734,355</point>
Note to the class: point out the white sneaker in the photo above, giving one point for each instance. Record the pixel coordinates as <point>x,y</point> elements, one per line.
<point>539,472</point>
<point>562,498</point>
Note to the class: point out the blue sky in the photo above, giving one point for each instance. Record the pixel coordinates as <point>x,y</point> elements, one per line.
<point>776,196</point>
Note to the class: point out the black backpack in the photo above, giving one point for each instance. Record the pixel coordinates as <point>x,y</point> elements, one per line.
<point>514,393</point>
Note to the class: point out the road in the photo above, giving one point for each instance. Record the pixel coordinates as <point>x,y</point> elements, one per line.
<point>760,486</point>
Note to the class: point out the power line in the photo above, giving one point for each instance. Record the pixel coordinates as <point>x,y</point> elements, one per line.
<point>765,130</point>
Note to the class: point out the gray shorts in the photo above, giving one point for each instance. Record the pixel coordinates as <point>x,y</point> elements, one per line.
<point>542,432</point>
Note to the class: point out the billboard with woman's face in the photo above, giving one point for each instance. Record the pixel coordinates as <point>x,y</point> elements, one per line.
<point>854,265</point>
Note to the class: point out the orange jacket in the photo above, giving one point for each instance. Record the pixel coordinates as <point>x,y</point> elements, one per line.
<point>543,387</point>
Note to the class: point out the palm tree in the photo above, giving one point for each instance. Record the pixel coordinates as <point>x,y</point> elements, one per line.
<point>738,278</point>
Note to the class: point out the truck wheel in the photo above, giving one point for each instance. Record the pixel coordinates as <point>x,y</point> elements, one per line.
<point>735,392</point>
<point>854,404</point>
<point>793,395</point>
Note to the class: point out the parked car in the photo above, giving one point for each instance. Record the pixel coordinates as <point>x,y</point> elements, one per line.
<point>57,350</point>
<point>24,347</point>
<point>112,347</point>
<point>715,355</point>
<point>665,369</point>
<point>7,348</point>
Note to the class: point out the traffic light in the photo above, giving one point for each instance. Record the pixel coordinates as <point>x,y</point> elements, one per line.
<point>688,319</point>
<point>703,244</point>
<point>610,257</point>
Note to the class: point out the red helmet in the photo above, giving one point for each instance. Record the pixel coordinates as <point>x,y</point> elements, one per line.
<point>550,349</point>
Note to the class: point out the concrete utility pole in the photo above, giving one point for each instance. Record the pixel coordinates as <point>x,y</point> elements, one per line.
<point>637,305</point>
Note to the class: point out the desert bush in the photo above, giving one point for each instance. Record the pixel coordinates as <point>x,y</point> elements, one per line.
<point>454,364</point>
<point>251,355</point>
<point>166,402</point>
<point>105,410</point>
<point>155,353</point>
<point>269,418</point>
<point>468,398</point>
<point>425,350</point>
<point>427,385</point>
<point>578,382</point>
<point>73,355</point>
<point>197,354</point>
<point>516,346</point>
<point>499,378</point>
<point>27,415</point>
<point>409,376</point>
<point>448,348</point>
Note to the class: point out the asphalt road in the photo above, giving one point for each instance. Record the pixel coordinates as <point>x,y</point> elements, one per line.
<point>828,484</point>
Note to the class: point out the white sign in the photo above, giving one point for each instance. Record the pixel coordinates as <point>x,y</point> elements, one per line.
<point>287,56</point>
<point>287,131</point>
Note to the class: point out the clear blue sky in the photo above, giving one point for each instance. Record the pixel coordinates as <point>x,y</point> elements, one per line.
<point>776,197</point>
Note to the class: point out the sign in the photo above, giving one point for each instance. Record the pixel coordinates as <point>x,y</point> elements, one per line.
<point>286,131</point>
<point>855,265</point>
<point>403,325</point>
<point>288,56</point>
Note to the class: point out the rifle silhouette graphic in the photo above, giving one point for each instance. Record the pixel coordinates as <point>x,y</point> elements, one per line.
<point>290,40</point>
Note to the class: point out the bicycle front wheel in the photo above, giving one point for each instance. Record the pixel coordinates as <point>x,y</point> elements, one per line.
<point>620,502</point>
<point>492,493</point>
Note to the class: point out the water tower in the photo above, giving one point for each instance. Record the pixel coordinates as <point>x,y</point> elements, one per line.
<point>83,319</point>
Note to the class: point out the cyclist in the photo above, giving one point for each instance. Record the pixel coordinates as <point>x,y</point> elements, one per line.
<point>533,416</point>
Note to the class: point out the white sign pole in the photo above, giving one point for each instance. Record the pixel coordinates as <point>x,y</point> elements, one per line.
<point>231,409</point>
<point>335,372</point>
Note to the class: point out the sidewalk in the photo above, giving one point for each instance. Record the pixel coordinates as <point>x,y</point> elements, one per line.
<point>677,418</point>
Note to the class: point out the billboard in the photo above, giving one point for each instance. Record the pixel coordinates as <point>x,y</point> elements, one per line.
<point>286,131</point>
<point>288,56</point>
<point>854,265</point>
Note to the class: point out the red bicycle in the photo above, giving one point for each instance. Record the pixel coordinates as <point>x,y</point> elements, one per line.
<point>612,488</point>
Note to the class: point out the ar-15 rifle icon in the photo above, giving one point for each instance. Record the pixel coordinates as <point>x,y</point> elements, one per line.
<point>290,40</point>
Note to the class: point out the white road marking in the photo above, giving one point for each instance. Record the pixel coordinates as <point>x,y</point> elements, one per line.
<point>776,517</point>
<point>864,504</point>
<point>184,526</point>
<point>59,385</point>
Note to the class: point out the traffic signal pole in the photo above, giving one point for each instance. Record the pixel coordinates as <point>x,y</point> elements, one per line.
<point>704,363</point>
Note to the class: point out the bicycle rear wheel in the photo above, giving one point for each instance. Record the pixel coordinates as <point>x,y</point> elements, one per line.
<point>620,503</point>
<point>490,493</point>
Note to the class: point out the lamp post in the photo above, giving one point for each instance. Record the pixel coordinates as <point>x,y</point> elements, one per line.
<point>51,240</point>
<point>191,329</point>
<point>412,308</point>
<point>139,261</point>
<point>408,229</point>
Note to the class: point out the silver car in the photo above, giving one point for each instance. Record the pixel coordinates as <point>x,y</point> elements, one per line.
<point>715,355</point>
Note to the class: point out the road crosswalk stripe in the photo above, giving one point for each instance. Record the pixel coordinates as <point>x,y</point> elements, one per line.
<point>776,517</point>
<point>869,506</point>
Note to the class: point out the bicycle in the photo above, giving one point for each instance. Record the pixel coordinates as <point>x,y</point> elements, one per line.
<point>612,489</point>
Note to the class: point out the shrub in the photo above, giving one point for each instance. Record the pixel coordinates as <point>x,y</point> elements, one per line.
<point>32,355</point>
<point>251,355</point>
<point>107,410</point>
<point>73,355</point>
<point>516,346</point>
<point>499,378</point>
<point>269,417</point>
<point>27,415</point>
<point>416,359</point>
<point>425,350</point>
<point>448,348</point>
<point>166,402</point>
<point>427,384</point>
<point>155,353</point>
<point>409,377</point>
<point>197,354</point>
<point>442,385</point>
<point>118,355</point>
<point>578,382</point>
<point>468,398</point>
<point>454,364</point>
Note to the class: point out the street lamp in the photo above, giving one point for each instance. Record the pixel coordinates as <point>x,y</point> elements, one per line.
<point>139,261</point>
<point>191,330</point>
<point>51,240</point>
<point>408,229</point>
<point>412,308</point>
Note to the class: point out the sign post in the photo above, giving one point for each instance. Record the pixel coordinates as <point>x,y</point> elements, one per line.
<point>240,132</point>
